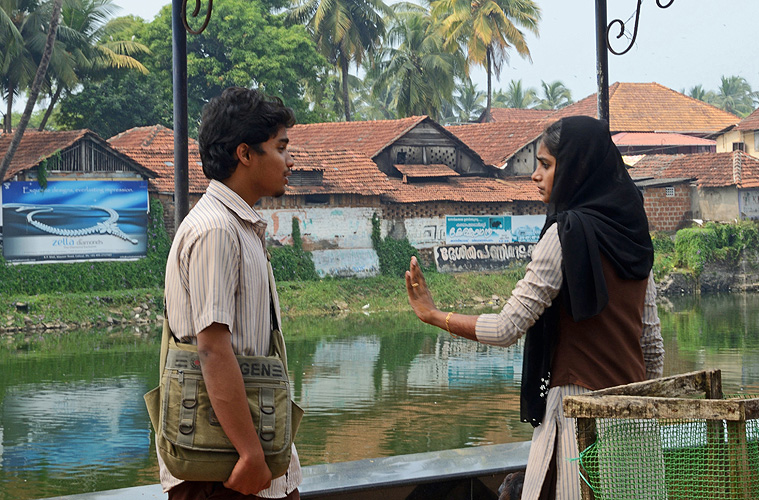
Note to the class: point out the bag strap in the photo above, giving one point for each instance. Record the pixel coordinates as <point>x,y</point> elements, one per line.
<point>276,343</point>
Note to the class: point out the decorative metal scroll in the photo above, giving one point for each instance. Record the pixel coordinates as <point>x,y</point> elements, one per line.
<point>208,16</point>
<point>635,29</point>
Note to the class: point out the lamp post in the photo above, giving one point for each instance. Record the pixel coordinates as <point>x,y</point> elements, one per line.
<point>179,29</point>
<point>603,44</point>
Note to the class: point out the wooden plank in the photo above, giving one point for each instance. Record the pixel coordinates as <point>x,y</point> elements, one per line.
<point>685,384</point>
<point>587,406</point>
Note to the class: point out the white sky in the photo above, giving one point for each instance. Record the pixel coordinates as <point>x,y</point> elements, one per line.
<point>691,42</point>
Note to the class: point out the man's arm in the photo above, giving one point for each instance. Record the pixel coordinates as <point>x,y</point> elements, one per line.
<point>226,390</point>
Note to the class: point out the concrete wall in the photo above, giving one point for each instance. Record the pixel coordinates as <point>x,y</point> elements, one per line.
<point>715,204</point>
<point>749,137</point>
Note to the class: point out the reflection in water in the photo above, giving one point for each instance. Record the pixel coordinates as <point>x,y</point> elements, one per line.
<point>73,420</point>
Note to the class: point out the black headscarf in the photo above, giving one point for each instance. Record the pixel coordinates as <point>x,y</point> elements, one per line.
<point>598,210</point>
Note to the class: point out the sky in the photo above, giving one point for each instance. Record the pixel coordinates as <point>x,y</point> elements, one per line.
<point>690,43</point>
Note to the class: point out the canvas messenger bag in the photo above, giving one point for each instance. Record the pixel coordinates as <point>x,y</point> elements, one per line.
<point>189,437</point>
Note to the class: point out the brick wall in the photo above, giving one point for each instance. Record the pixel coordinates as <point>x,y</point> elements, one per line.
<point>667,213</point>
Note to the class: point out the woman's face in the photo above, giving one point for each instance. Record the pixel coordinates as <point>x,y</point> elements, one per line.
<point>544,172</point>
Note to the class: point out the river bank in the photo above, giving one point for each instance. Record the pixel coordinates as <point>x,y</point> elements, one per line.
<point>27,315</point>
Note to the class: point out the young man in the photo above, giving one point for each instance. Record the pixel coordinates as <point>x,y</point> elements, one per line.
<point>217,280</point>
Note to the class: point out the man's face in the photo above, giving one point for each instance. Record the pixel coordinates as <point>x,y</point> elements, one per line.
<point>272,167</point>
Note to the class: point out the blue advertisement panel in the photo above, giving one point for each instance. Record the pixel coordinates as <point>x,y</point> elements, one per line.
<point>474,229</point>
<point>74,220</point>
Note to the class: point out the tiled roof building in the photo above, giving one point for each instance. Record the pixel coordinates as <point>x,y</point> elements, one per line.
<point>68,153</point>
<point>652,107</point>
<point>153,147</point>
<point>744,136</point>
<point>735,168</point>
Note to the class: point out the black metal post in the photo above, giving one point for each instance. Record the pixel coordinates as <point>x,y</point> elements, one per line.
<point>602,61</point>
<point>179,53</point>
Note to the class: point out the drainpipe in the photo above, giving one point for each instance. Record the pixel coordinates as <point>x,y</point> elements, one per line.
<point>179,53</point>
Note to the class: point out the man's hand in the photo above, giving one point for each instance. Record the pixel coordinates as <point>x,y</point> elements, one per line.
<point>249,476</point>
<point>226,389</point>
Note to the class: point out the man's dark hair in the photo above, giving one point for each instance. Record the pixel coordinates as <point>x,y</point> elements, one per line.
<point>238,116</point>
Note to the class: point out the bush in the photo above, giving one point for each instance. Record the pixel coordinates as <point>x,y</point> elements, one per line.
<point>694,247</point>
<point>93,276</point>
<point>394,255</point>
<point>293,263</point>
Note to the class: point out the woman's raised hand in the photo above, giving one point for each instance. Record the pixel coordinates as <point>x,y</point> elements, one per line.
<point>419,295</point>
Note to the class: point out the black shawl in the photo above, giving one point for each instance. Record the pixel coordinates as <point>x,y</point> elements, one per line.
<point>598,209</point>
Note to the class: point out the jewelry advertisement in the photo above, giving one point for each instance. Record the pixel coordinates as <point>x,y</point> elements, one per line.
<point>74,220</point>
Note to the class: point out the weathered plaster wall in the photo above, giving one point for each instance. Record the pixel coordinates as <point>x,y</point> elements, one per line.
<point>339,238</point>
<point>715,204</point>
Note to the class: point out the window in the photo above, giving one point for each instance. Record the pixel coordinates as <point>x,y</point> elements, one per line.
<point>317,199</point>
<point>400,158</point>
<point>669,191</point>
<point>739,146</point>
<point>756,140</point>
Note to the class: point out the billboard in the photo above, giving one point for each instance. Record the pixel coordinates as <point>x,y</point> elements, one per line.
<point>490,229</point>
<point>74,220</point>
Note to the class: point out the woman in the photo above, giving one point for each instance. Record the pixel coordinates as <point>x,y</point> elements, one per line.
<point>586,301</point>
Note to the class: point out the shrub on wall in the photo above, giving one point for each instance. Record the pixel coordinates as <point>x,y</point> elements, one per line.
<point>292,263</point>
<point>694,247</point>
<point>147,272</point>
<point>394,255</point>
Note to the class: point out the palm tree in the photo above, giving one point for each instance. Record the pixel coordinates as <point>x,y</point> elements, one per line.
<point>35,88</point>
<point>344,31</point>
<point>22,33</point>
<point>488,28</point>
<point>87,35</point>
<point>555,96</point>
<point>698,92</point>
<point>735,96</point>
<point>516,96</point>
<point>416,65</point>
<point>469,102</point>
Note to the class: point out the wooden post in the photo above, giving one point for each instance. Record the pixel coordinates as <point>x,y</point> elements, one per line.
<point>737,451</point>
<point>586,436</point>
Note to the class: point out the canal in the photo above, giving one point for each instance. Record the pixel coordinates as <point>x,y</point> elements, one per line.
<point>72,418</point>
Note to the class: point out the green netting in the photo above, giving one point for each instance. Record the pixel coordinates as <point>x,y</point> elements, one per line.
<point>673,459</point>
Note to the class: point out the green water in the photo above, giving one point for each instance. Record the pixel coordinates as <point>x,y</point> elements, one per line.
<point>72,418</point>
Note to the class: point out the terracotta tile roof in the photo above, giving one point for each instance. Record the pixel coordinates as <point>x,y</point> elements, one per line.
<point>659,139</point>
<point>751,122</point>
<point>367,137</point>
<point>463,189</point>
<point>420,171</point>
<point>497,142</point>
<point>153,147</point>
<point>651,107</point>
<point>345,172</point>
<point>512,114</point>
<point>734,168</point>
<point>36,146</point>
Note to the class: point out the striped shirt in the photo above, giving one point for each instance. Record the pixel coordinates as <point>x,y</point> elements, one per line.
<point>531,296</point>
<point>217,272</point>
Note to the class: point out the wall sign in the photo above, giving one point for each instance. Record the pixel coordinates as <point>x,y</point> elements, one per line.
<point>488,257</point>
<point>473,229</point>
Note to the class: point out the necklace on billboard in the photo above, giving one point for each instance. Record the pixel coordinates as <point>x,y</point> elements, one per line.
<point>108,226</point>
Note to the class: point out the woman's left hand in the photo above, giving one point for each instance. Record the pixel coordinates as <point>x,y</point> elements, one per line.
<point>419,296</point>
